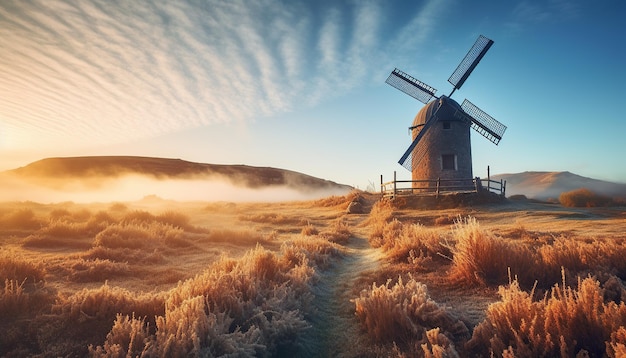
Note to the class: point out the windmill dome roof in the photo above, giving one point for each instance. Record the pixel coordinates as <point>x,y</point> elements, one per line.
<point>448,107</point>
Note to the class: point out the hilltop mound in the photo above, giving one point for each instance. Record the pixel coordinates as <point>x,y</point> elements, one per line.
<point>549,185</point>
<point>46,171</point>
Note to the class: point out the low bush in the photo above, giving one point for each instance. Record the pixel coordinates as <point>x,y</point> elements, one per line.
<point>584,198</point>
<point>19,219</point>
<point>339,232</point>
<point>136,235</point>
<point>402,314</point>
<point>404,242</point>
<point>252,306</point>
<point>175,219</point>
<point>567,322</point>
<point>236,237</point>
<point>96,270</point>
<point>135,256</point>
<point>480,257</point>
<point>20,270</point>
<point>309,230</point>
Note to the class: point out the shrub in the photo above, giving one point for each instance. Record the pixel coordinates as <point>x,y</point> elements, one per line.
<point>128,338</point>
<point>97,270</point>
<point>136,235</point>
<point>138,216</point>
<point>174,219</point>
<point>20,270</point>
<point>252,306</point>
<point>583,198</point>
<point>565,323</point>
<point>339,232</point>
<point>20,219</point>
<point>105,302</point>
<point>237,237</point>
<point>309,230</point>
<point>406,242</point>
<point>403,313</point>
<point>481,257</point>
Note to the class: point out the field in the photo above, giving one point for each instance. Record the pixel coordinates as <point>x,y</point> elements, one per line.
<point>305,278</point>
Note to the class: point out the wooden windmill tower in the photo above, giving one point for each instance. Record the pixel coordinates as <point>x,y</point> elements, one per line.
<point>441,130</point>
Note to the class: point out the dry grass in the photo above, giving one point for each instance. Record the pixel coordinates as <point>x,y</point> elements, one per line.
<point>403,314</point>
<point>412,243</point>
<point>338,232</point>
<point>567,322</point>
<point>19,269</point>
<point>169,279</point>
<point>251,306</point>
<point>480,257</point>
<point>19,219</point>
<point>584,198</point>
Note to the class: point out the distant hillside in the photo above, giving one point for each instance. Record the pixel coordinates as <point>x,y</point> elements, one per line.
<point>76,168</point>
<point>546,185</point>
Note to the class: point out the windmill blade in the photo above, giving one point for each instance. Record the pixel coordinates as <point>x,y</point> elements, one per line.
<point>407,158</point>
<point>484,123</point>
<point>411,86</point>
<point>473,57</point>
<point>417,150</point>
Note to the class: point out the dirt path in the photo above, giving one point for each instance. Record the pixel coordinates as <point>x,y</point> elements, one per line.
<point>335,330</point>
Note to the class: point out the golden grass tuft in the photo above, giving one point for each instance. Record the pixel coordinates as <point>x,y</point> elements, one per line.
<point>20,270</point>
<point>19,219</point>
<point>412,243</point>
<point>96,270</point>
<point>403,314</point>
<point>250,306</point>
<point>175,219</point>
<point>309,230</point>
<point>235,237</point>
<point>135,256</point>
<point>105,302</point>
<point>339,232</point>
<point>480,257</point>
<point>270,218</point>
<point>567,322</point>
<point>584,198</point>
<point>137,235</point>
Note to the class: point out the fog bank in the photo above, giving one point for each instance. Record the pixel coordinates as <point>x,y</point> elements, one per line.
<point>135,187</point>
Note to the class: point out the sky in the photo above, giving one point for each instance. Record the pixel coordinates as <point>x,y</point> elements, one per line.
<point>300,85</point>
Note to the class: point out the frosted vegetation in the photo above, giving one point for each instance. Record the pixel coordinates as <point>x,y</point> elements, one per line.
<point>160,278</point>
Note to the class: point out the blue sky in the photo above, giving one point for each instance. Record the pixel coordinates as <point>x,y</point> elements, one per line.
<point>300,85</point>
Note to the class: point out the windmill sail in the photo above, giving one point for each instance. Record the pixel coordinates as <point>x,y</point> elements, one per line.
<point>411,86</point>
<point>473,57</point>
<point>484,123</point>
<point>407,160</point>
<point>417,150</point>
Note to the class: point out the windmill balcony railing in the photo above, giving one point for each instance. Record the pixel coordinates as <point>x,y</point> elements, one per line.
<point>440,186</point>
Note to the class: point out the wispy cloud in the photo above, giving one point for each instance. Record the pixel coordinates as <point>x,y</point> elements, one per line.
<point>108,71</point>
<point>527,13</point>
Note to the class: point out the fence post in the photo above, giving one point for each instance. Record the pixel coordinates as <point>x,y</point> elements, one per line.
<point>382,192</point>
<point>394,183</point>
<point>503,188</point>
<point>438,183</point>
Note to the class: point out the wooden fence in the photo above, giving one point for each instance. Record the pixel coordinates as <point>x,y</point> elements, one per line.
<point>438,186</point>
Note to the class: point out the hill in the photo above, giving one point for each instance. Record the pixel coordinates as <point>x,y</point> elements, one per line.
<point>104,167</point>
<point>549,185</point>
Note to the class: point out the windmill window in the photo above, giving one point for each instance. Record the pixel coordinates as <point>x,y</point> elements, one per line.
<point>448,162</point>
<point>446,124</point>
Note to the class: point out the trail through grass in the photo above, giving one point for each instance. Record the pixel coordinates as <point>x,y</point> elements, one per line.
<point>335,330</point>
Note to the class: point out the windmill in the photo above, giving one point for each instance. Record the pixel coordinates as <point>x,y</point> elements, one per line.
<point>441,137</point>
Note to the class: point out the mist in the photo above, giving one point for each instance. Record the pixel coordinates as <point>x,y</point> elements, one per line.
<point>137,187</point>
